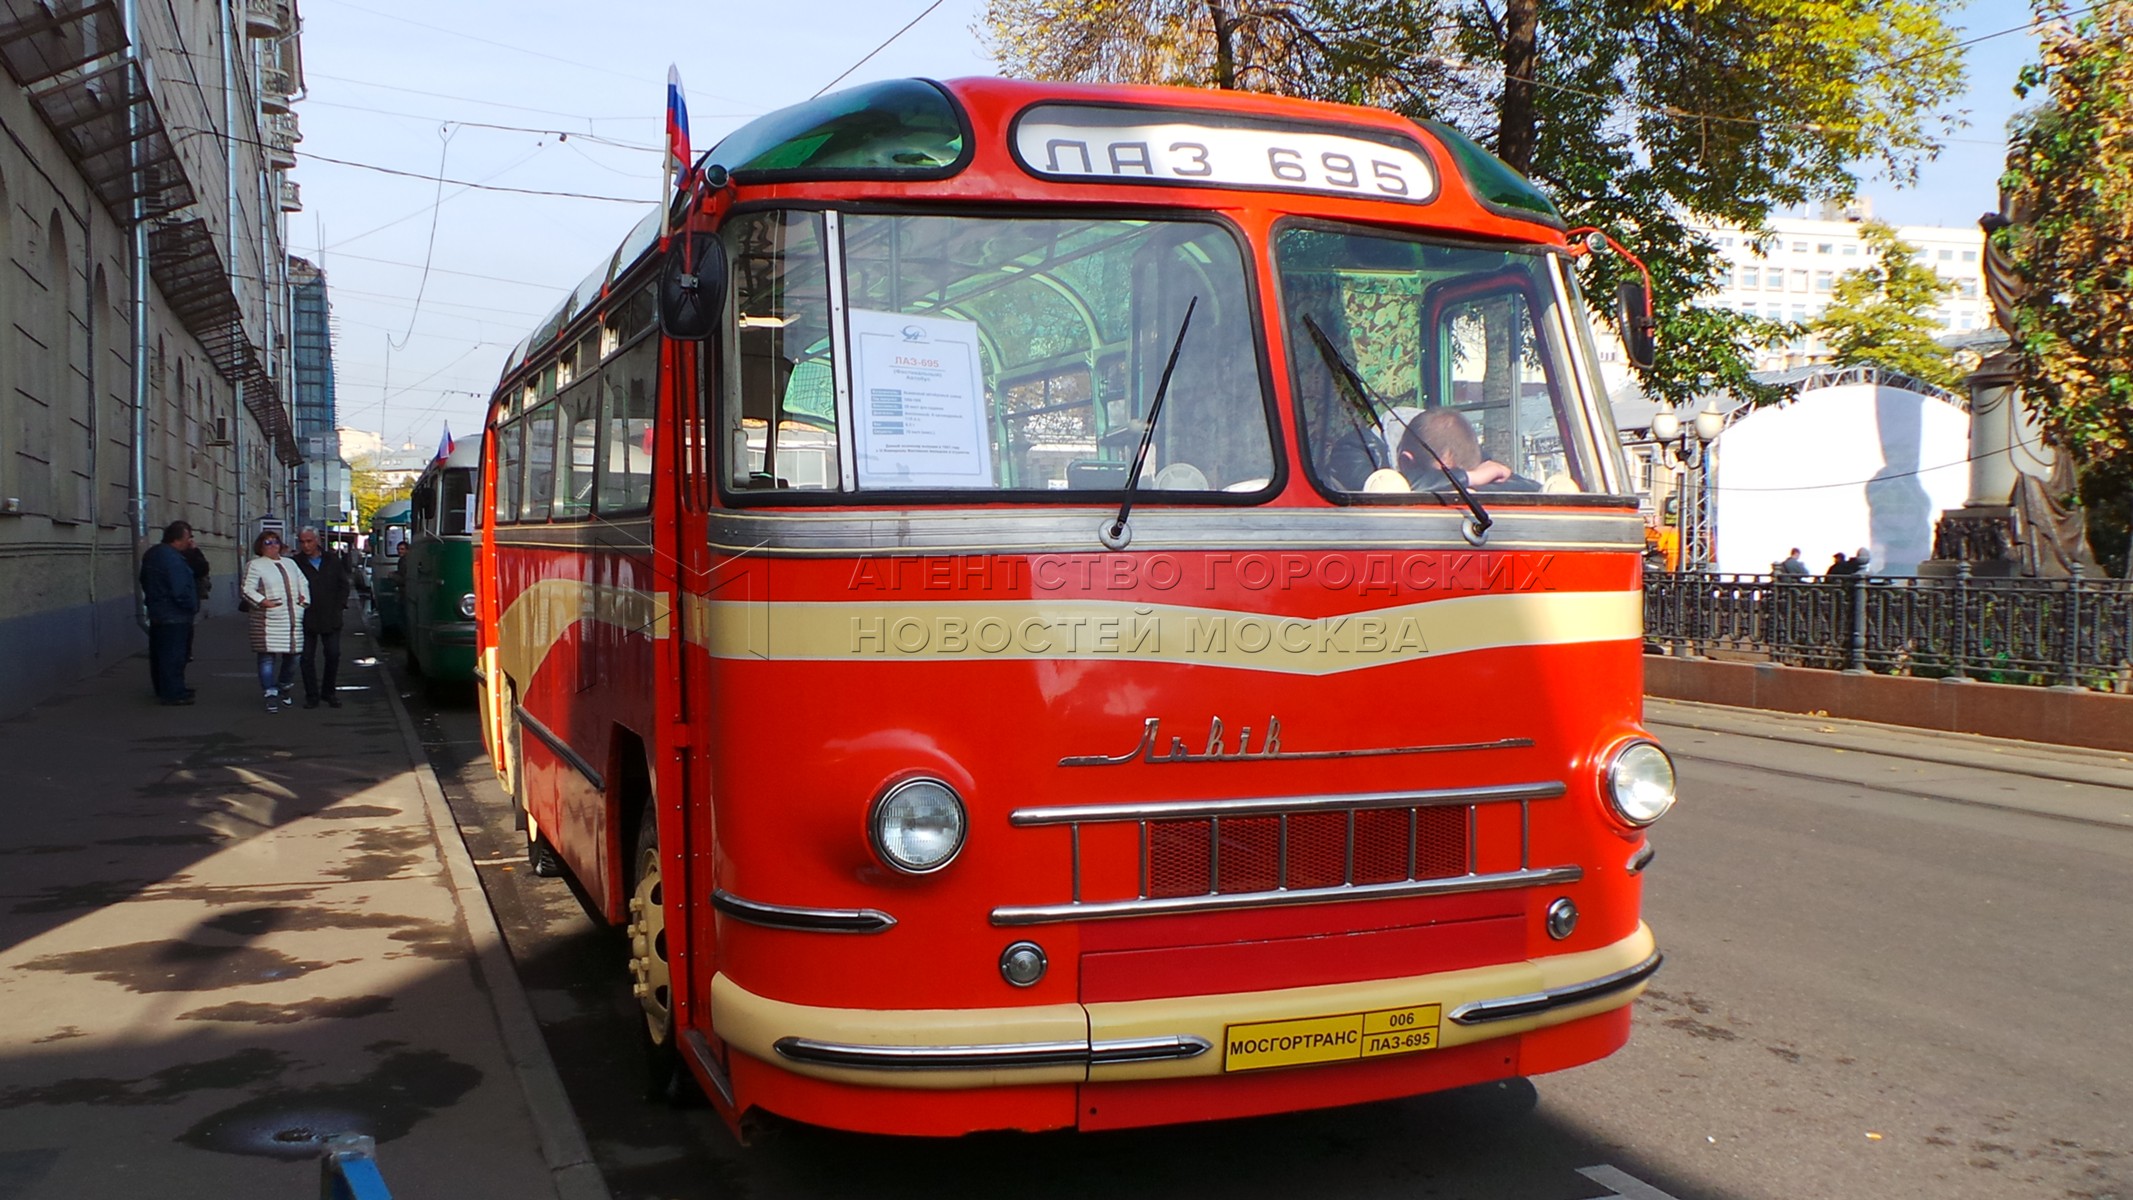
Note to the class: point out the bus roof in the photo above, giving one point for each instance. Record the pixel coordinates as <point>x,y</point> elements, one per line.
<point>1015,133</point>
<point>466,452</point>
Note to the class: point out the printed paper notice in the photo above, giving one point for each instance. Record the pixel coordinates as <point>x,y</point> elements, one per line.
<point>918,402</point>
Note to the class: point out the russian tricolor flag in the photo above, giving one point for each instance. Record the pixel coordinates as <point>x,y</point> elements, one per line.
<point>677,125</point>
<point>445,444</point>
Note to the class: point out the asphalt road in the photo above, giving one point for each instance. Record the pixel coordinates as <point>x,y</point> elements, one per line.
<point>1898,966</point>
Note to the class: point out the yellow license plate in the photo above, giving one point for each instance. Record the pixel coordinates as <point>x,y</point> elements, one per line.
<point>1346,1038</point>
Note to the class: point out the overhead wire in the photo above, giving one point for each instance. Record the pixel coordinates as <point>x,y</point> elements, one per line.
<point>393,87</point>
<point>878,49</point>
<point>530,53</point>
<point>429,253</point>
<point>563,135</point>
<point>409,216</point>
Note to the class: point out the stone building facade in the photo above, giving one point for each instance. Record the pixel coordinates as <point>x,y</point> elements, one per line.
<point>144,309</point>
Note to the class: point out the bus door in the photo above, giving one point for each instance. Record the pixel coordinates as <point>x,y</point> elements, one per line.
<point>691,573</point>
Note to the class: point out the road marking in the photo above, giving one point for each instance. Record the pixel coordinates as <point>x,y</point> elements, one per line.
<point>1626,1186</point>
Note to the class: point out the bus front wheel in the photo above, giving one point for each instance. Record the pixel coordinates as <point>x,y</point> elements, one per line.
<point>651,979</point>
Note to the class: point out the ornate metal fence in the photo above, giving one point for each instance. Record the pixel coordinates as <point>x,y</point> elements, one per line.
<point>2060,632</point>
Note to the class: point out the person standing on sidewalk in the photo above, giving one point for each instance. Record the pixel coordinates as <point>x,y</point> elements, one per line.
<point>278,595</point>
<point>326,573</point>
<point>168,594</point>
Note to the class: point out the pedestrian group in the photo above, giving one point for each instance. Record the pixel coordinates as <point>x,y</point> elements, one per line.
<point>1839,566</point>
<point>295,605</point>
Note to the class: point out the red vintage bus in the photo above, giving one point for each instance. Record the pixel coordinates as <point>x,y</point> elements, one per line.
<point>1072,606</point>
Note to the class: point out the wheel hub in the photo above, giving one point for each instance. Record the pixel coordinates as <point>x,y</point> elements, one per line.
<point>651,980</point>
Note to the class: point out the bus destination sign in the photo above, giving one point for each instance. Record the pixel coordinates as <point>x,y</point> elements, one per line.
<point>1057,141</point>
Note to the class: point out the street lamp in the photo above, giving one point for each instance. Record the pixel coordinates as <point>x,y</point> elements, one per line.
<point>1690,442</point>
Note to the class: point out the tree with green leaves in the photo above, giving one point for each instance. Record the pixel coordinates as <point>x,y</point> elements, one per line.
<point>1640,118</point>
<point>2069,195</point>
<point>373,489</point>
<point>1881,314</point>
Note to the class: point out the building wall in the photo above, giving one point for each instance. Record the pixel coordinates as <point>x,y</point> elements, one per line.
<point>322,496</point>
<point>1790,275</point>
<point>68,554</point>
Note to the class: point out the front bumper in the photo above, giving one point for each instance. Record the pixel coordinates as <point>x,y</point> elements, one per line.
<point>1172,1038</point>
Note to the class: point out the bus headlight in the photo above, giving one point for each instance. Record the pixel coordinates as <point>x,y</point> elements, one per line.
<point>917,826</point>
<point>466,605</point>
<point>1640,783</point>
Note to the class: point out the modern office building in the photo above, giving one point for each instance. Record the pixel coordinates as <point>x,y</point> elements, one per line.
<point>322,479</point>
<point>144,309</point>
<point>1790,273</point>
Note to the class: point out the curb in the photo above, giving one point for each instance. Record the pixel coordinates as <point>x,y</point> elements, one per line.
<point>555,1125</point>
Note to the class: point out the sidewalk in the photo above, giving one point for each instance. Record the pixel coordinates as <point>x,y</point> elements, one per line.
<point>226,934</point>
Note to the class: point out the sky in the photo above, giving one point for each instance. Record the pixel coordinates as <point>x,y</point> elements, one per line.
<point>560,96</point>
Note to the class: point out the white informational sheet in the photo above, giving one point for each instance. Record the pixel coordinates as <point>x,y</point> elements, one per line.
<point>918,402</point>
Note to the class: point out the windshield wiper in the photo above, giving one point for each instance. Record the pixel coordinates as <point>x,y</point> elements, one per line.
<point>1114,536</point>
<point>1361,397</point>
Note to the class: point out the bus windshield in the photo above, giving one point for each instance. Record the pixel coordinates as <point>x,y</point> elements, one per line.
<point>989,353</point>
<point>1468,357</point>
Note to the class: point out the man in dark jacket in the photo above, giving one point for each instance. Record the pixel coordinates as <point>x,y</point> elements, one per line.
<point>168,593</point>
<point>327,573</point>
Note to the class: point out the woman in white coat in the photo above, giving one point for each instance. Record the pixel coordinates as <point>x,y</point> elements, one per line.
<point>277,595</point>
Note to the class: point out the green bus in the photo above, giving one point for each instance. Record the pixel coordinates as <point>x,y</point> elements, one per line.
<point>437,573</point>
<point>381,567</point>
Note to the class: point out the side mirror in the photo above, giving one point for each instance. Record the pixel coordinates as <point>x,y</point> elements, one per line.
<point>1633,319</point>
<point>692,287</point>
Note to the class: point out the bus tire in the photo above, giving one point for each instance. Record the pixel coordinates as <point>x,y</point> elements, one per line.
<point>541,857</point>
<point>665,1078</point>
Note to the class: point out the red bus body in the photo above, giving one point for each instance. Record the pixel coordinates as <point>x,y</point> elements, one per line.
<point>1287,792</point>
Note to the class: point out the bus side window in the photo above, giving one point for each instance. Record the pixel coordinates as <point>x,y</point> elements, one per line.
<point>626,416</point>
<point>540,463</point>
<point>578,444</point>
<point>779,413</point>
<point>508,441</point>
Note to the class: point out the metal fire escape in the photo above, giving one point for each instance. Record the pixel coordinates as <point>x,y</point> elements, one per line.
<point>70,58</point>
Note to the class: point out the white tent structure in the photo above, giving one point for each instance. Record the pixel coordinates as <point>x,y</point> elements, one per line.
<point>1858,457</point>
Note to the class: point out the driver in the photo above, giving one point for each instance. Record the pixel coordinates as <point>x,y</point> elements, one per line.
<point>1448,433</point>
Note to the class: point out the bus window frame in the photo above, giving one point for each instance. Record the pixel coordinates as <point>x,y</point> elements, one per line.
<point>1604,440</point>
<point>537,386</point>
<point>546,512</point>
<point>584,386</point>
<point>507,435</point>
<point>1557,326</point>
<point>658,370</point>
<point>712,388</point>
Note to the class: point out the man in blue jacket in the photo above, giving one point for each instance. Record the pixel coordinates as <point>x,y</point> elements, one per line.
<point>172,599</point>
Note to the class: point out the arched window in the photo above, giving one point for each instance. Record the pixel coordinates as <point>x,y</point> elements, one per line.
<point>94,411</point>
<point>11,350</point>
<point>167,410</point>
<point>56,330</point>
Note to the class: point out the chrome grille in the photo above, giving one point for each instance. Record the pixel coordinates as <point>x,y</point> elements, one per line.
<point>1202,855</point>
<point>1219,857</point>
